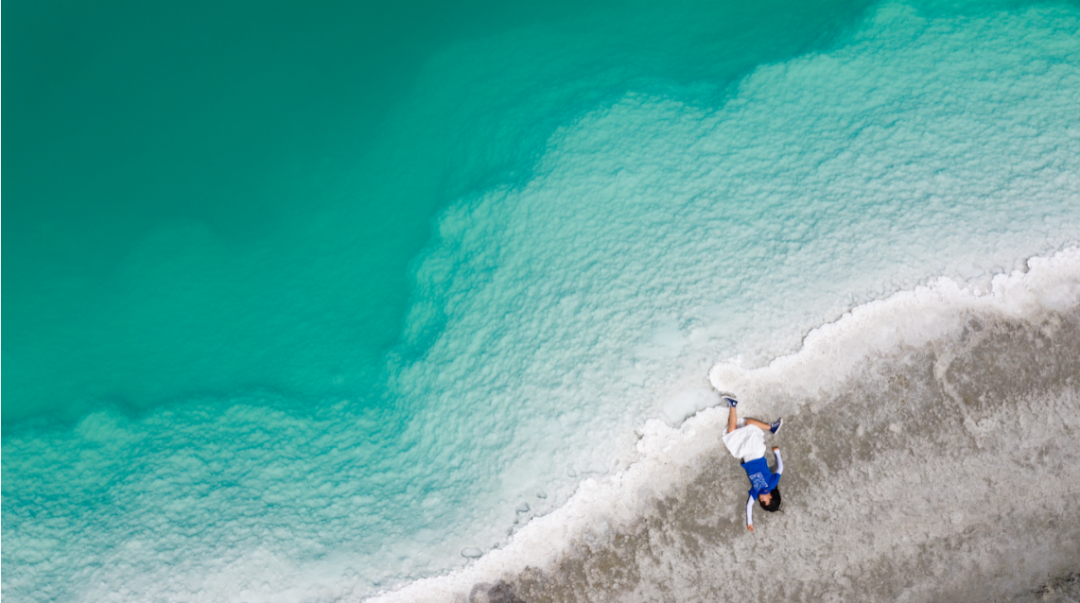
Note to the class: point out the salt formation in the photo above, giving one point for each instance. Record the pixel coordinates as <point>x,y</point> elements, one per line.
<point>938,464</point>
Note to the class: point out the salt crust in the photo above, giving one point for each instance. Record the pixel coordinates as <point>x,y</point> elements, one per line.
<point>824,182</point>
<point>829,353</point>
<point>906,320</point>
<point>659,237</point>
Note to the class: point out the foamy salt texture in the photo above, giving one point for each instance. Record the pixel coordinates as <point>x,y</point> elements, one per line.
<point>908,319</point>
<point>658,237</point>
<point>564,318</point>
<point>672,455</point>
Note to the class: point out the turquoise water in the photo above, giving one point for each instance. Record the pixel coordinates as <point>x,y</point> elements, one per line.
<point>207,200</point>
<point>302,300</point>
<point>186,174</point>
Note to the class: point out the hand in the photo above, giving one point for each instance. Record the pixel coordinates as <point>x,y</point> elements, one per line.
<point>750,527</point>
<point>775,449</point>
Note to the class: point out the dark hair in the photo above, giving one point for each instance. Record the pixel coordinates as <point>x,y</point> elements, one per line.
<point>774,504</point>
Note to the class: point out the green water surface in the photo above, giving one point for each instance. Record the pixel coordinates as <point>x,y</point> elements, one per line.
<point>209,197</point>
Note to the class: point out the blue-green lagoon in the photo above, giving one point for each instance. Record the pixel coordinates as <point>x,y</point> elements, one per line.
<point>314,302</point>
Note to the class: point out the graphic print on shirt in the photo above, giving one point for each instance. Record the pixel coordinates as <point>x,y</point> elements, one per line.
<point>759,483</point>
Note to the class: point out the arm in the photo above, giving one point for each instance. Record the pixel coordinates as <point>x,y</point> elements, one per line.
<point>779,461</point>
<point>750,513</point>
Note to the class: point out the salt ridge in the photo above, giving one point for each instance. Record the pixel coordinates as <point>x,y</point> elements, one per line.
<point>657,237</point>
<point>829,353</point>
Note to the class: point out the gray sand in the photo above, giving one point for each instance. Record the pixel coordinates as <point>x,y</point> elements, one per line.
<point>944,473</point>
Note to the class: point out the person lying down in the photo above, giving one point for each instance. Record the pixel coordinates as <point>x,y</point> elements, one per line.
<point>745,439</point>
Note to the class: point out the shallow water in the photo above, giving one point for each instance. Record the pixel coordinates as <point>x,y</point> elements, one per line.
<point>214,201</point>
<point>459,300</point>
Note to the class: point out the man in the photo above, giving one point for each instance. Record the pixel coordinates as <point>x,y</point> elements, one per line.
<point>746,442</point>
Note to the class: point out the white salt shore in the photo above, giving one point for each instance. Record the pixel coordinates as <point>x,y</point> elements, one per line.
<point>923,460</point>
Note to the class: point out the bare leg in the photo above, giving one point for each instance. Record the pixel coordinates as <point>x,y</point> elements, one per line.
<point>755,423</point>
<point>732,419</point>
